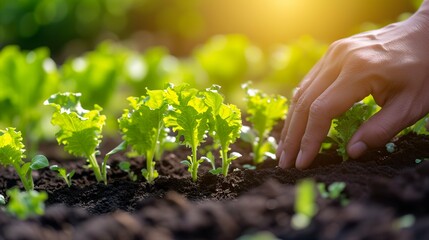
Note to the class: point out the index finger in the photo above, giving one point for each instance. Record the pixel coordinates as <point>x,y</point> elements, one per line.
<point>334,101</point>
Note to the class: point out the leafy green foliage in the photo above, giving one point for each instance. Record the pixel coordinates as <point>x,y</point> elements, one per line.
<point>228,60</point>
<point>26,204</point>
<point>95,75</point>
<point>80,129</point>
<point>143,127</point>
<point>26,79</point>
<point>225,125</point>
<point>347,124</point>
<point>305,204</point>
<point>188,117</point>
<point>263,113</point>
<point>62,172</point>
<point>11,154</point>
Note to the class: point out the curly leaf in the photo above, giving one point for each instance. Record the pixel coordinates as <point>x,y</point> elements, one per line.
<point>143,125</point>
<point>347,124</point>
<point>80,129</point>
<point>11,147</point>
<point>264,110</point>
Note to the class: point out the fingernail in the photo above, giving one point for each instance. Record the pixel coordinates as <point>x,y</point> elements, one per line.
<point>357,149</point>
<point>282,162</point>
<point>298,163</point>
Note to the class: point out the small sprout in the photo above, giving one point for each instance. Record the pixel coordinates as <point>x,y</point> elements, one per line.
<point>80,129</point>
<point>142,128</point>
<point>419,160</point>
<point>347,124</point>
<point>189,118</point>
<point>334,191</point>
<point>121,147</point>
<point>263,111</point>
<point>62,172</point>
<point>26,204</point>
<point>11,154</point>
<point>249,167</point>
<point>225,125</point>
<point>126,167</point>
<point>305,204</point>
<point>405,221</point>
<point>390,147</point>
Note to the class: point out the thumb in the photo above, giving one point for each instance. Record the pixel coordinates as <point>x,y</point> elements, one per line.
<point>379,129</point>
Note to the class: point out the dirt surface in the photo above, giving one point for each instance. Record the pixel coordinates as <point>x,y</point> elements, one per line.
<point>382,188</point>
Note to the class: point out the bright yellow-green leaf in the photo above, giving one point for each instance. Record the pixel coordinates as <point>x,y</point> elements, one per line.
<point>11,147</point>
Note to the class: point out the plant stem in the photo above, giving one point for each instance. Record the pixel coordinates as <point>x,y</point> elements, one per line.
<point>26,179</point>
<point>96,169</point>
<point>225,164</point>
<point>150,166</point>
<point>194,164</point>
<point>257,158</point>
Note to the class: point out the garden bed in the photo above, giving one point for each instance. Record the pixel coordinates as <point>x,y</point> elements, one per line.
<point>382,188</point>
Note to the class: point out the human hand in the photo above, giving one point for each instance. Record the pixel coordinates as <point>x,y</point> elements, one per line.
<point>391,64</point>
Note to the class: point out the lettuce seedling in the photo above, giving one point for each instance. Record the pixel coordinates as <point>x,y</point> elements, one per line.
<point>347,124</point>
<point>11,154</point>
<point>126,167</point>
<point>334,191</point>
<point>305,204</point>
<point>188,117</point>
<point>62,172</point>
<point>26,204</point>
<point>263,113</point>
<point>143,127</point>
<point>225,126</point>
<point>80,129</point>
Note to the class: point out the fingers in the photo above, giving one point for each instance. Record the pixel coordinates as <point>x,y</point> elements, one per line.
<point>297,122</point>
<point>331,103</point>
<point>296,95</point>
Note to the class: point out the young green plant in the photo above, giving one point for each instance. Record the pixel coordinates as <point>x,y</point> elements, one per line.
<point>26,204</point>
<point>347,124</point>
<point>12,154</point>
<point>143,128</point>
<point>305,204</point>
<point>62,173</point>
<point>80,129</point>
<point>225,126</point>
<point>188,117</point>
<point>263,112</point>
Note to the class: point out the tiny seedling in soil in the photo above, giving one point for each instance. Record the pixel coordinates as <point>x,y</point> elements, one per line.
<point>189,117</point>
<point>263,113</point>
<point>333,192</point>
<point>126,167</point>
<point>80,129</point>
<point>347,124</point>
<point>390,147</point>
<point>11,154</point>
<point>143,128</point>
<point>26,204</point>
<point>62,173</point>
<point>305,204</point>
<point>225,126</point>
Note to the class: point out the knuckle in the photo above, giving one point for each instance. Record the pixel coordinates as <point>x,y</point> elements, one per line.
<point>297,95</point>
<point>318,109</point>
<point>302,105</point>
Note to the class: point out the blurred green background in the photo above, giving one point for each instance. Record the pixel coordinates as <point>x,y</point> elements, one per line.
<point>111,49</point>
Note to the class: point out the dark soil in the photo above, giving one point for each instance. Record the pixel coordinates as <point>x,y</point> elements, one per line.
<point>382,187</point>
